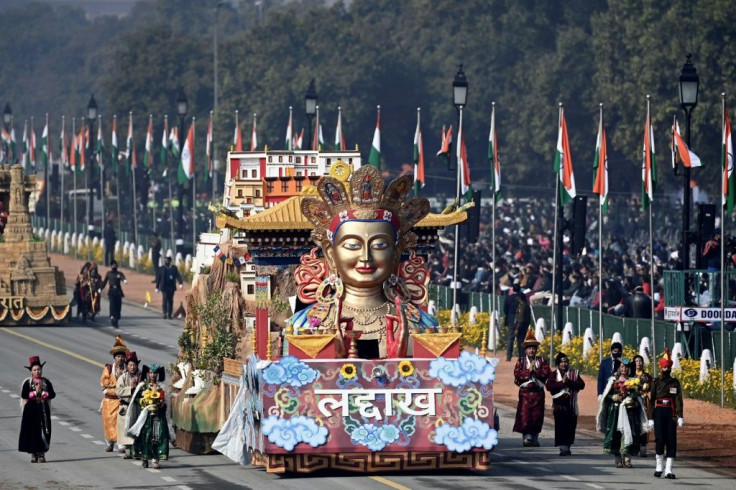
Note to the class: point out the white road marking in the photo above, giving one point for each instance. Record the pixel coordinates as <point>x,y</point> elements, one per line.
<point>99,443</point>
<point>542,468</point>
<point>593,485</point>
<point>87,436</point>
<point>571,478</point>
<point>151,470</point>
<point>14,396</point>
<point>184,487</point>
<point>168,479</point>
<point>75,429</point>
<point>54,417</point>
<point>6,391</point>
<point>64,423</point>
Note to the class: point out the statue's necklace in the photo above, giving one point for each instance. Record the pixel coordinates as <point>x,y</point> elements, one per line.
<point>368,316</point>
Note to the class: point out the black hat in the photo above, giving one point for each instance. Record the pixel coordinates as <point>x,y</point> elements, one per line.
<point>560,356</point>
<point>34,361</point>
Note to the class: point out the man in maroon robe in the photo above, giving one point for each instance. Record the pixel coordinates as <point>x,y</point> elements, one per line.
<point>530,374</point>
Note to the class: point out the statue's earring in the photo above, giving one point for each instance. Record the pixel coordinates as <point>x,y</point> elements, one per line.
<point>333,283</point>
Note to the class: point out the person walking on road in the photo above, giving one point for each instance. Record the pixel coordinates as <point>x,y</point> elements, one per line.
<point>530,374</point>
<point>109,238</point>
<point>166,283</point>
<point>665,416</point>
<point>155,254</point>
<point>564,384</point>
<point>606,370</point>
<point>124,388</point>
<point>110,401</point>
<point>35,425</point>
<point>115,279</point>
<point>150,429</point>
<point>645,383</point>
<point>518,316</point>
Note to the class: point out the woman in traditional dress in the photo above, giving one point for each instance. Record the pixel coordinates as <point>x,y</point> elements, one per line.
<point>124,388</point>
<point>563,384</point>
<point>151,429</point>
<point>621,416</point>
<point>645,383</point>
<point>35,426</point>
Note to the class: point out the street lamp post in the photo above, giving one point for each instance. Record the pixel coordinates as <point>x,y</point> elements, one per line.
<point>459,98</point>
<point>181,110</point>
<point>310,108</point>
<point>91,116</point>
<point>7,119</point>
<point>689,82</point>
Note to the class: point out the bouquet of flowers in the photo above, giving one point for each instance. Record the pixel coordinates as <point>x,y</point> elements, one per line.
<point>152,399</point>
<point>630,391</point>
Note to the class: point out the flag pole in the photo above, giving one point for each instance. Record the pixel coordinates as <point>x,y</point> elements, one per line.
<point>101,163</point>
<point>132,171</point>
<point>492,323</point>
<point>194,198</point>
<point>723,256</point>
<point>555,253</point>
<point>453,313</point>
<point>74,178</point>
<point>46,172</point>
<point>650,179</point>
<point>62,171</point>
<point>600,253</point>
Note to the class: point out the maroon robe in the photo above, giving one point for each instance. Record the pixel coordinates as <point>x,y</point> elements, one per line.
<point>530,410</point>
<point>564,405</point>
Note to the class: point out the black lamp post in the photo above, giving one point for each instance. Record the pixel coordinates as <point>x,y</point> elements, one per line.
<point>181,109</point>
<point>7,119</point>
<point>459,98</point>
<point>689,82</point>
<point>91,116</point>
<point>310,108</point>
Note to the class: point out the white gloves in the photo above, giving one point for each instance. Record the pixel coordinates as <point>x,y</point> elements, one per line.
<point>158,291</point>
<point>125,281</point>
<point>680,422</point>
<point>181,286</point>
<point>650,423</point>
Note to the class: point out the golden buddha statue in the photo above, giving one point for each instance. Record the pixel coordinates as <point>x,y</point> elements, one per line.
<point>361,284</point>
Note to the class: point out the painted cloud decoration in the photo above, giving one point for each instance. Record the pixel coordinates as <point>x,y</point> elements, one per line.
<point>287,433</point>
<point>468,368</point>
<point>375,437</point>
<point>471,433</point>
<point>291,371</point>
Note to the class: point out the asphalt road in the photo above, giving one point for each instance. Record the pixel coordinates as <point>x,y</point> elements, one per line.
<point>75,354</point>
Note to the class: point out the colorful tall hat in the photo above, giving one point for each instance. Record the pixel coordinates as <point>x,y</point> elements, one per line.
<point>34,361</point>
<point>530,340</point>
<point>154,368</point>
<point>666,361</point>
<point>131,356</point>
<point>119,347</point>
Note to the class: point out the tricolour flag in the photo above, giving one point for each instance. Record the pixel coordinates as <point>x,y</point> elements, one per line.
<point>418,156</point>
<point>444,151</point>
<point>254,135</point>
<point>237,137</point>
<point>648,165</point>
<point>466,189</point>
<point>13,150</point>
<point>563,162</point>
<point>74,153</point>
<point>114,144</point>
<point>100,150</point>
<point>63,147</point>
<point>600,166</point>
<point>32,146</point>
<point>316,138</point>
<point>82,156</point>
<point>148,155</point>
<point>298,141</point>
<point>6,144</point>
<point>164,151</point>
<point>289,139</point>
<point>186,169</point>
<point>339,136</point>
<point>493,157</point>
<point>729,179</point>
<point>26,149</point>
<point>45,153</point>
<point>680,148</point>
<point>208,149</point>
<point>375,156</point>
<point>130,147</point>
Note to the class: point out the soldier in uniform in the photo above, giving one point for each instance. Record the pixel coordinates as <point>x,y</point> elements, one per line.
<point>664,412</point>
<point>115,294</point>
<point>168,276</point>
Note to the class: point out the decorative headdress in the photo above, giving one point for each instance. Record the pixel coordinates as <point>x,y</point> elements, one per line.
<point>131,356</point>
<point>666,361</point>
<point>530,340</point>
<point>364,199</point>
<point>34,361</point>
<point>119,347</point>
<point>154,368</point>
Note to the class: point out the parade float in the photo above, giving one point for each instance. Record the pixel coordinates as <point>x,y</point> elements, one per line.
<point>360,378</point>
<point>32,291</point>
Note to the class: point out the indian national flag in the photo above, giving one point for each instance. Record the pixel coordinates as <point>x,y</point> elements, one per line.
<point>299,140</point>
<point>563,162</point>
<point>444,152</point>
<point>466,189</point>
<point>45,154</point>
<point>254,135</point>
<point>679,147</point>
<point>164,151</point>
<point>648,166</point>
<point>132,163</point>
<point>208,149</point>
<point>729,179</point>
<point>74,153</point>
<point>375,156</point>
<point>82,156</point>
<point>237,137</point>
<point>148,155</point>
<point>600,166</point>
<point>32,147</point>
<point>100,146</point>
<point>63,149</point>
<point>289,139</point>
<point>186,169</point>
<point>418,157</point>
<point>114,144</point>
<point>339,136</point>
<point>493,158</point>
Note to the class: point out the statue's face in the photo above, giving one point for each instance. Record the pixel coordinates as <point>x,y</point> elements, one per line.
<point>364,253</point>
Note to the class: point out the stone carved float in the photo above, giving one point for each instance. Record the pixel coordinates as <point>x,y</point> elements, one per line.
<point>32,291</point>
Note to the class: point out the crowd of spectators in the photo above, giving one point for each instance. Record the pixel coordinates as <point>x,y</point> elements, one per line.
<point>524,256</point>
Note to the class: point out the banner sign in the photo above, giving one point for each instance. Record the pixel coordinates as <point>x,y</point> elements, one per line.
<point>697,314</point>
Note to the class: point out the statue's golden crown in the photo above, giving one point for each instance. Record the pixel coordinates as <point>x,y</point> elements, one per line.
<point>365,198</point>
